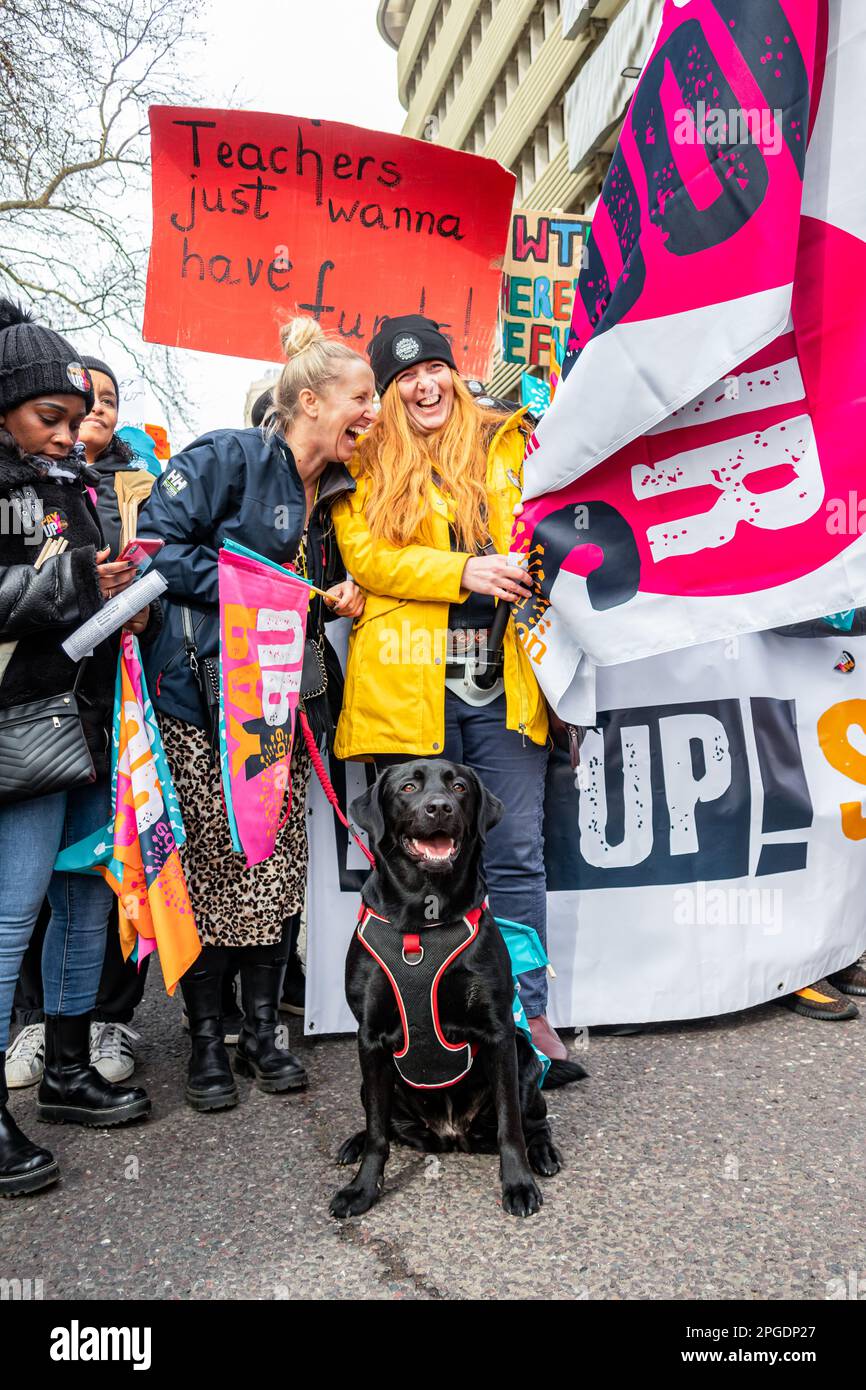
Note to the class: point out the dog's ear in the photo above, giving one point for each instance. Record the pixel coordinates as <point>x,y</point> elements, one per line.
<point>490,808</point>
<point>367,810</point>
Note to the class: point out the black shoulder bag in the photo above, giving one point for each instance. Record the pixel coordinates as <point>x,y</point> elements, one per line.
<point>43,748</point>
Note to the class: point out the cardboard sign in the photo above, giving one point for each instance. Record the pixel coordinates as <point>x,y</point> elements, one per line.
<point>543,260</point>
<point>257,217</point>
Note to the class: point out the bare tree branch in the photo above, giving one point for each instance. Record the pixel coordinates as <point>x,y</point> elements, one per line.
<point>76,81</point>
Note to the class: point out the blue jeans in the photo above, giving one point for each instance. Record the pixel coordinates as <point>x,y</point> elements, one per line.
<point>514,854</point>
<point>32,834</point>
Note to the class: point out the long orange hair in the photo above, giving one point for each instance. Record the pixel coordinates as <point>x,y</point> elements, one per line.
<point>400,463</point>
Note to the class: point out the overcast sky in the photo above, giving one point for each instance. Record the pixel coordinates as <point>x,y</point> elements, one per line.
<point>324,59</point>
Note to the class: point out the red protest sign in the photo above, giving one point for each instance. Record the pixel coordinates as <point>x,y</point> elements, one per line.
<point>257,217</point>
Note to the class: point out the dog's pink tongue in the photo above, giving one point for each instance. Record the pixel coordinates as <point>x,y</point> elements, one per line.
<point>436,845</point>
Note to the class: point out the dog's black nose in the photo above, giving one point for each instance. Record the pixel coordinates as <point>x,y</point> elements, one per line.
<point>438,806</point>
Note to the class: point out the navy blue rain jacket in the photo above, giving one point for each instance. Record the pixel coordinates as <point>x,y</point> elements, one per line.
<point>230,484</point>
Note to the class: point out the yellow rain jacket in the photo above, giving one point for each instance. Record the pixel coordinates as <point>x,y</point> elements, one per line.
<point>394,700</point>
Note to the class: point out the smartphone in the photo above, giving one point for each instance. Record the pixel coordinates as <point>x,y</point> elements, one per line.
<point>141,552</point>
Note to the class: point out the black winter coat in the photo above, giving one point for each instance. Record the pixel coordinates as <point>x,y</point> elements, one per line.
<point>40,608</point>
<point>230,484</point>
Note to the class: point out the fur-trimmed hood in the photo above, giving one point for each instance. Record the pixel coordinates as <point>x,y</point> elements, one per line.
<point>20,469</point>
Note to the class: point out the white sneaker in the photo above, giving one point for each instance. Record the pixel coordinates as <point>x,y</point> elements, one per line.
<point>111,1050</point>
<point>25,1060</point>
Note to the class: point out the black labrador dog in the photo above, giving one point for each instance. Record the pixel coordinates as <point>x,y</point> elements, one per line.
<point>428,977</point>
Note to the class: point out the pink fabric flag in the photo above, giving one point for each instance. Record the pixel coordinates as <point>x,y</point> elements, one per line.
<point>263,617</point>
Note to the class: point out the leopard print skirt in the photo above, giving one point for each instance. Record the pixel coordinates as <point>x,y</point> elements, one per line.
<point>234,905</point>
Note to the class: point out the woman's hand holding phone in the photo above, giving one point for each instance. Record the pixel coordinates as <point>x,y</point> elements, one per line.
<point>114,576</point>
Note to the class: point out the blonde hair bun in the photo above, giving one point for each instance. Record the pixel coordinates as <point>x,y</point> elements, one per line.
<point>314,359</point>
<point>299,334</point>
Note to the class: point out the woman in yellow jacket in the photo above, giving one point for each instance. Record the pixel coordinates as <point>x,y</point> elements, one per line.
<point>426,536</point>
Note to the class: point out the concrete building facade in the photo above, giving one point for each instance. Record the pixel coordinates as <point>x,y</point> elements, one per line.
<point>540,85</point>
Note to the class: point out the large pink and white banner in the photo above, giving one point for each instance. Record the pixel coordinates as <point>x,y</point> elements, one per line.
<point>699,472</point>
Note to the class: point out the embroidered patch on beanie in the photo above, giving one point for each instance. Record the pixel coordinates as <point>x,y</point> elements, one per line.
<point>406,348</point>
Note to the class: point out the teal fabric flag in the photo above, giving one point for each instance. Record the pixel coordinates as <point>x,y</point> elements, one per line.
<point>527,953</point>
<point>235,548</point>
<point>535,393</point>
<point>843,622</point>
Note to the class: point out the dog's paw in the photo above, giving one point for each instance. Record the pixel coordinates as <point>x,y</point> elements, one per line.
<point>350,1151</point>
<point>352,1201</point>
<point>521,1198</point>
<point>544,1158</point>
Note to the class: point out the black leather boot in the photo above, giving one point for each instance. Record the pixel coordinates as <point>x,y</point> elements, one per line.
<point>71,1091</point>
<point>257,1053</point>
<point>210,1084</point>
<point>24,1167</point>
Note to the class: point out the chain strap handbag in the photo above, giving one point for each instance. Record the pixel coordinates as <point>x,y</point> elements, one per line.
<point>206,671</point>
<point>314,675</point>
<point>314,695</point>
<point>43,748</point>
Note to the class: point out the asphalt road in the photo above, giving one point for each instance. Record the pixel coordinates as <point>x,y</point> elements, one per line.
<point>721,1159</point>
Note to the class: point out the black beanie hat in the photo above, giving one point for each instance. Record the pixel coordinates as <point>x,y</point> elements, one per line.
<point>36,361</point>
<point>93,364</point>
<point>403,341</point>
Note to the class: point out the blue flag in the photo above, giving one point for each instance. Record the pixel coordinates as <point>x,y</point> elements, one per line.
<point>535,393</point>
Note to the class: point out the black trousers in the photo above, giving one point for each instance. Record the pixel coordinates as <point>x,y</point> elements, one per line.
<point>227,960</point>
<point>121,987</point>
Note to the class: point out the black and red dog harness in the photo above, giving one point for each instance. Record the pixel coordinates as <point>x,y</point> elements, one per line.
<point>414,963</point>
